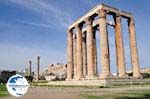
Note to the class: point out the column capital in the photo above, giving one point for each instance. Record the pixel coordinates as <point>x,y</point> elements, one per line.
<point>69,30</point>
<point>84,34</point>
<point>94,30</point>
<point>118,17</point>
<point>38,57</point>
<point>74,36</point>
<point>88,21</point>
<point>131,21</point>
<point>30,61</point>
<point>102,13</point>
<point>78,26</point>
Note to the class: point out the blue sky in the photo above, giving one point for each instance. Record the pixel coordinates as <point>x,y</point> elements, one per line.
<point>29,28</point>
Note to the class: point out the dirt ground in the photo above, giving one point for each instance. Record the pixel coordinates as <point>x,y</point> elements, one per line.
<point>71,92</point>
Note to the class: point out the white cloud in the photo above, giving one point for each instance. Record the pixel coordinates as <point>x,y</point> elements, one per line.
<point>35,24</point>
<point>51,15</point>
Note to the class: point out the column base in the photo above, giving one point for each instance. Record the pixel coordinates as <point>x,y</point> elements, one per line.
<point>123,76</point>
<point>79,77</point>
<point>91,77</point>
<point>68,78</point>
<point>137,76</point>
<point>105,75</point>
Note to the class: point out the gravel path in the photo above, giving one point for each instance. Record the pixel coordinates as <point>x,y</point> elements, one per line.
<point>69,93</point>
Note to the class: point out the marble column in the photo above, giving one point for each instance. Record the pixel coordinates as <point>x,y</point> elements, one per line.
<point>75,55</point>
<point>69,55</point>
<point>79,53</point>
<point>120,58</point>
<point>133,49</point>
<point>104,46</point>
<point>84,50</point>
<point>90,48</point>
<point>95,53</point>
<point>30,68</point>
<point>38,68</point>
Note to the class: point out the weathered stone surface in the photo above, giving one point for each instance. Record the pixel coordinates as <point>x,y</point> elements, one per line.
<point>133,48</point>
<point>120,58</point>
<point>75,55</point>
<point>95,53</point>
<point>69,55</point>
<point>104,46</point>
<point>90,49</point>
<point>79,53</point>
<point>82,51</point>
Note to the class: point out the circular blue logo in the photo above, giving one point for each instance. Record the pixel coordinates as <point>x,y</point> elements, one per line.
<point>17,85</point>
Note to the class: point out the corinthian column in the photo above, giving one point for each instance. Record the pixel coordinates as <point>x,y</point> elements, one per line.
<point>30,68</point>
<point>75,55</point>
<point>120,58</point>
<point>95,53</point>
<point>90,50</point>
<point>79,53</point>
<point>69,55</point>
<point>133,49</point>
<point>105,58</point>
<point>84,54</point>
<point>38,68</point>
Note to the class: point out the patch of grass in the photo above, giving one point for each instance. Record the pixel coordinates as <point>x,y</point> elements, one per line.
<point>65,86</point>
<point>40,81</point>
<point>3,91</point>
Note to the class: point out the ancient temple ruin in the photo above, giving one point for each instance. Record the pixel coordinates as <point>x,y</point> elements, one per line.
<point>81,44</point>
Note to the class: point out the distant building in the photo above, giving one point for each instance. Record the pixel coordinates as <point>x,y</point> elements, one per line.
<point>55,72</point>
<point>142,70</point>
<point>25,72</point>
<point>145,70</point>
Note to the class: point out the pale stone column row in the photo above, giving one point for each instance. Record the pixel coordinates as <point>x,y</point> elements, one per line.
<point>82,51</point>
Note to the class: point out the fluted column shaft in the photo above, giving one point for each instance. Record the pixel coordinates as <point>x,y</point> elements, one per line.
<point>133,49</point>
<point>95,53</point>
<point>84,50</point>
<point>75,55</point>
<point>69,55</point>
<point>105,58</point>
<point>90,48</point>
<point>120,58</point>
<point>79,53</point>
